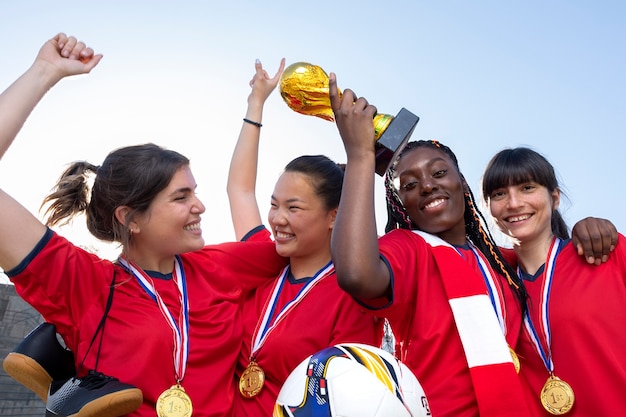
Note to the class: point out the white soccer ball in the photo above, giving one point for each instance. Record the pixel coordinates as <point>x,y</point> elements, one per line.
<point>351,380</point>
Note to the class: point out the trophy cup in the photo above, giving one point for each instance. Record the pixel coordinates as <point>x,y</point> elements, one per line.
<point>304,87</point>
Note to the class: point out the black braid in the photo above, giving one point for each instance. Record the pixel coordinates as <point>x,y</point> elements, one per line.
<point>475,230</point>
<point>397,217</point>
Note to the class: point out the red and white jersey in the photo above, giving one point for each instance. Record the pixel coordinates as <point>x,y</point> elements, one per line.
<point>587,318</point>
<point>423,322</point>
<point>70,287</point>
<point>325,316</point>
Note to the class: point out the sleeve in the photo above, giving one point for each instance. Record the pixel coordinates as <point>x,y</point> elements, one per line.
<point>407,257</point>
<point>258,234</point>
<point>62,281</point>
<point>240,265</point>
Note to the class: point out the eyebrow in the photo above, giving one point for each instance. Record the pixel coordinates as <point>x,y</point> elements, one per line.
<point>184,190</point>
<point>437,159</point>
<point>429,164</point>
<point>290,200</point>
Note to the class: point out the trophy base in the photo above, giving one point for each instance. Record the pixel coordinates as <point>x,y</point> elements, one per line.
<point>394,139</point>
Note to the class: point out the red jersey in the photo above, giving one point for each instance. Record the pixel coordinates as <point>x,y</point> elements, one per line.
<point>70,287</point>
<point>587,319</point>
<point>423,322</point>
<point>325,316</point>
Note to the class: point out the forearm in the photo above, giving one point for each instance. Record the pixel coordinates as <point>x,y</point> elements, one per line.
<point>242,174</point>
<point>354,242</point>
<point>19,100</point>
<point>19,229</point>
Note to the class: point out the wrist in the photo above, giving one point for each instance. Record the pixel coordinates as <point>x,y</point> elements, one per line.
<point>252,122</point>
<point>45,74</point>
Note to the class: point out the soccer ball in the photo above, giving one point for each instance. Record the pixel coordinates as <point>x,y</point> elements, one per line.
<point>351,380</point>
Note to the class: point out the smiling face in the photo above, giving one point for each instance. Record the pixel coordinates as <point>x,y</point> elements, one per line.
<point>524,211</point>
<point>171,224</point>
<point>522,192</point>
<point>300,222</point>
<point>432,191</point>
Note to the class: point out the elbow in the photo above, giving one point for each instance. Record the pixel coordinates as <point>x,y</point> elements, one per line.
<point>351,283</point>
<point>361,283</point>
<point>230,190</point>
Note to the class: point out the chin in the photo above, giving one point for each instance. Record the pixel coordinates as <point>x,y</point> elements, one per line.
<point>283,251</point>
<point>197,245</point>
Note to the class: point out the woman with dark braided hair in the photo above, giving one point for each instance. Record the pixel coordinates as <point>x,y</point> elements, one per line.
<point>436,274</point>
<point>475,230</point>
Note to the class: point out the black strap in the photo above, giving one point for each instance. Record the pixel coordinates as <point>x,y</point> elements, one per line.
<point>100,327</point>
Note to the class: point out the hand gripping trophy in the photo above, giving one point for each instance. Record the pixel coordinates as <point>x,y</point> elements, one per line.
<point>304,87</point>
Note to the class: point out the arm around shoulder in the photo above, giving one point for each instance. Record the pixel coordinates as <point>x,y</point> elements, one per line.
<point>594,238</point>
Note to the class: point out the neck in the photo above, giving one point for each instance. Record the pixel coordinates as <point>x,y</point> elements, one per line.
<point>164,265</point>
<point>533,254</point>
<point>453,238</point>
<point>303,267</point>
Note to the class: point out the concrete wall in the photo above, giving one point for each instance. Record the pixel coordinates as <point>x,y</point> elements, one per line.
<point>16,319</point>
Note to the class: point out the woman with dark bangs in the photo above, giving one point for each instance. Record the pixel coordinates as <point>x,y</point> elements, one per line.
<point>573,343</point>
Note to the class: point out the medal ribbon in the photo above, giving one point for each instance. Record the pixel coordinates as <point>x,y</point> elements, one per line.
<point>495,291</point>
<point>264,327</point>
<point>180,332</point>
<point>544,320</point>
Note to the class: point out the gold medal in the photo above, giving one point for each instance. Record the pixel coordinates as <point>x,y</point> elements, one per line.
<point>516,363</point>
<point>251,380</point>
<point>557,396</point>
<point>174,402</point>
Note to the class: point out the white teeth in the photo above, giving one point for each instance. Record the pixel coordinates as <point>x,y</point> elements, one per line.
<point>192,227</point>
<point>434,203</point>
<point>282,235</point>
<point>518,218</point>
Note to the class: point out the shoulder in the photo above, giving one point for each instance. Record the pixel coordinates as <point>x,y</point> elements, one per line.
<point>402,237</point>
<point>258,234</point>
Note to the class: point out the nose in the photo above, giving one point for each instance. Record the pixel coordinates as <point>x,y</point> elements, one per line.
<point>198,207</point>
<point>513,200</point>
<point>277,216</point>
<point>427,186</point>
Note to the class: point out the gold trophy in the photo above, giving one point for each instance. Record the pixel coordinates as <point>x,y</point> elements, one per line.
<point>304,87</point>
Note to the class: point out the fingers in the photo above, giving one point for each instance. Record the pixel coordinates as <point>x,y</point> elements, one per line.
<point>373,110</point>
<point>261,83</point>
<point>60,39</point>
<point>337,98</point>
<point>333,93</point>
<point>72,48</point>
<point>68,49</point>
<point>281,67</point>
<point>258,71</point>
<point>91,62</point>
<point>261,73</point>
<point>594,239</point>
<point>66,55</point>
<point>85,55</point>
<point>347,101</point>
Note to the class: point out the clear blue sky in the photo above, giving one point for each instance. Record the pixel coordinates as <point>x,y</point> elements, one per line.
<point>481,76</point>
